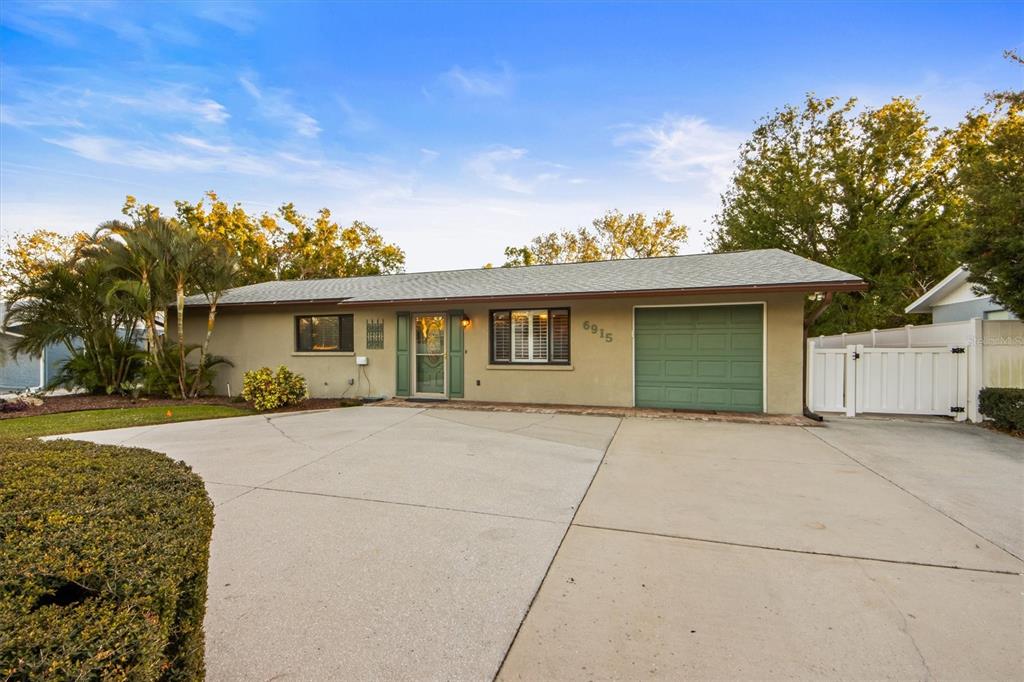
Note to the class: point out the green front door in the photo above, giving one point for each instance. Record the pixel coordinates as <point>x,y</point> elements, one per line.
<point>430,351</point>
<point>700,357</point>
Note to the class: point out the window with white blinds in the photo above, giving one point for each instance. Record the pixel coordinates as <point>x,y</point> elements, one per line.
<point>530,336</point>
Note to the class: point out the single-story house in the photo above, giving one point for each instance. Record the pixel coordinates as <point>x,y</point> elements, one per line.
<point>954,299</point>
<point>702,332</point>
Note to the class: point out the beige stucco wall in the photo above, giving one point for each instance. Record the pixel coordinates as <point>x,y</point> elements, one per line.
<point>601,372</point>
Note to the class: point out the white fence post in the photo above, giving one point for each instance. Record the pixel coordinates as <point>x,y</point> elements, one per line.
<point>975,368</point>
<point>850,389</point>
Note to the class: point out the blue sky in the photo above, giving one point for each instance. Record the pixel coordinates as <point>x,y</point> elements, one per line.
<point>455,129</point>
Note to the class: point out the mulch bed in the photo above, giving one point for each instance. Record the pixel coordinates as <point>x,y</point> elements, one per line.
<point>78,402</point>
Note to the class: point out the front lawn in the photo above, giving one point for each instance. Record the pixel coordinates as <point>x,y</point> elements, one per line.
<point>96,420</point>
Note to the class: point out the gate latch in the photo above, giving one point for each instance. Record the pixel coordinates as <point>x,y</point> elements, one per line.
<point>856,355</point>
<point>956,409</point>
<point>958,350</point>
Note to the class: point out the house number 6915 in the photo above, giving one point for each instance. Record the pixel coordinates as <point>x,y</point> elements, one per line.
<point>597,330</point>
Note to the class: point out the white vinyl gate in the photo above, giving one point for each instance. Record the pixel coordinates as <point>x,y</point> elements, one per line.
<point>888,380</point>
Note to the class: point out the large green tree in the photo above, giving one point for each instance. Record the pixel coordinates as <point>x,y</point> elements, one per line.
<point>991,172</point>
<point>865,190</point>
<point>610,237</point>
<point>285,244</point>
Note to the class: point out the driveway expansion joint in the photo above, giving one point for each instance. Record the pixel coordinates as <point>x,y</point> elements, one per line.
<point>790,550</point>
<point>375,500</point>
<point>915,496</point>
<point>561,541</point>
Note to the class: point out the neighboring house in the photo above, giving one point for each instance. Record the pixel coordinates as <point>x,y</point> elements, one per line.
<point>954,299</point>
<point>26,372</point>
<point>702,332</point>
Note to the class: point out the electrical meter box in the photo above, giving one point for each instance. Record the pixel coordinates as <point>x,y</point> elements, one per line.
<point>362,360</point>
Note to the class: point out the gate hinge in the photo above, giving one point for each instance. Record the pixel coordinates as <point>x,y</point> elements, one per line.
<point>958,349</point>
<point>956,409</point>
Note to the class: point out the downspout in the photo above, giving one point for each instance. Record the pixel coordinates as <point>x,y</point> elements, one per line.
<point>808,322</point>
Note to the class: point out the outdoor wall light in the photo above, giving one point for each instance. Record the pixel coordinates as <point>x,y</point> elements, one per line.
<point>466,322</point>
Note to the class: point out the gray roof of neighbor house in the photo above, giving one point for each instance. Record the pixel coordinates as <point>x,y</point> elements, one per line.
<point>767,269</point>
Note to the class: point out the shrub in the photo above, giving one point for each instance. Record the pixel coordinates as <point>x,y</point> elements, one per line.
<point>1004,406</point>
<point>267,390</point>
<point>161,377</point>
<point>109,373</point>
<point>103,563</point>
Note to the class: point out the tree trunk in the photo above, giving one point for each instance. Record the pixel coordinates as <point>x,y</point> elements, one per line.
<point>210,319</point>
<point>182,367</point>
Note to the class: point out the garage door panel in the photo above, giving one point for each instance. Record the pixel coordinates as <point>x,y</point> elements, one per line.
<point>678,394</point>
<point>678,369</point>
<point>746,341</point>
<point>648,341</point>
<point>713,369</point>
<point>746,370</point>
<point>700,357</point>
<point>683,317</point>
<point>649,395</point>
<point>713,397</point>
<point>712,342</point>
<point>749,398</point>
<point>655,369</point>
<point>677,341</point>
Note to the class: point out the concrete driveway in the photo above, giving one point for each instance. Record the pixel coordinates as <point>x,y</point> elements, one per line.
<point>866,549</point>
<point>397,543</point>
<point>378,543</point>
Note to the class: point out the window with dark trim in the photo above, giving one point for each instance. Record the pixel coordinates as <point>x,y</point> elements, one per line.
<point>535,336</point>
<point>323,334</point>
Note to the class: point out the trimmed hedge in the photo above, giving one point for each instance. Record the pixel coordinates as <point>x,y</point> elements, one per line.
<point>103,563</point>
<point>1004,406</point>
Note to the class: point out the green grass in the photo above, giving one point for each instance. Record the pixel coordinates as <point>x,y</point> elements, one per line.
<point>96,420</point>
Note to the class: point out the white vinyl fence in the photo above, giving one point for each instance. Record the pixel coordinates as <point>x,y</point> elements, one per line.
<point>931,369</point>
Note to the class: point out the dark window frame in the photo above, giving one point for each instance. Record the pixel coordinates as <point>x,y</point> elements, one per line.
<point>341,333</point>
<point>510,361</point>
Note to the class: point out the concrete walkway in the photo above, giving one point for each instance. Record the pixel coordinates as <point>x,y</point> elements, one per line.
<point>722,551</point>
<point>378,543</point>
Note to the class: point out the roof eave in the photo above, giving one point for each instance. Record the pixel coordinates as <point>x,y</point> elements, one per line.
<point>794,287</point>
<point>924,303</point>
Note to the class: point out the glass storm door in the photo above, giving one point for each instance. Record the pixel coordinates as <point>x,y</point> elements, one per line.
<point>430,355</point>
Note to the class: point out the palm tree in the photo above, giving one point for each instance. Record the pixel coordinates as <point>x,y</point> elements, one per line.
<point>157,263</point>
<point>70,304</point>
<point>218,273</point>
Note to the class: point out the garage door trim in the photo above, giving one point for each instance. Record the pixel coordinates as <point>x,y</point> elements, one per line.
<point>764,340</point>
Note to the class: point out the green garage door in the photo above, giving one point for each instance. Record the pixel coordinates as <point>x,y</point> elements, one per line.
<point>700,357</point>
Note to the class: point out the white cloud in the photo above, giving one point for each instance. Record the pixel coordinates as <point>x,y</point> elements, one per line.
<point>239,17</point>
<point>356,120</point>
<point>479,82</point>
<point>684,149</point>
<point>428,155</point>
<point>275,104</point>
<point>173,101</point>
<point>509,169</point>
<point>190,154</point>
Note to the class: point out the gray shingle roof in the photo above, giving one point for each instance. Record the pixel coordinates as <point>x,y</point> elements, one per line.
<point>764,268</point>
